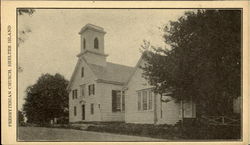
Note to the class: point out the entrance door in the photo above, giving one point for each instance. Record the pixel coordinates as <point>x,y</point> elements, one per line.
<point>83,112</point>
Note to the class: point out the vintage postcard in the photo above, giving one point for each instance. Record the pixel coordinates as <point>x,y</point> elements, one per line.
<point>146,72</point>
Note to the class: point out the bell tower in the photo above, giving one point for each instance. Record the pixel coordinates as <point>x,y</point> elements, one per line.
<point>92,44</point>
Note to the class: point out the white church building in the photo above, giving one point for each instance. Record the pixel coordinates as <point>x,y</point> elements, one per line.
<point>101,91</point>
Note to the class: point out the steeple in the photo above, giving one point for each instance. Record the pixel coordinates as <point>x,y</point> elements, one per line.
<point>92,44</point>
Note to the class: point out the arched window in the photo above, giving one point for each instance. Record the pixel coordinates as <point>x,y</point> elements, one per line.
<point>84,43</point>
<point>96,43</point>
<point>82,72</point>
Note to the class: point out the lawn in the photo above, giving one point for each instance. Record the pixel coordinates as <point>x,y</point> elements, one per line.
<point>177,132</point>
<point>166,132</point>
<point>61,134</point>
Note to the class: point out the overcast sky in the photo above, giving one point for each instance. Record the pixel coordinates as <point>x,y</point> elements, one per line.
<point>54,42</point>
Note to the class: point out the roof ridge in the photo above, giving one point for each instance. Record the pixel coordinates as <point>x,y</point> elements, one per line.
<point>120,64</point>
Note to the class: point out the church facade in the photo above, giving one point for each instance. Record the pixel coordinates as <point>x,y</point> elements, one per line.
<point>105,92</point>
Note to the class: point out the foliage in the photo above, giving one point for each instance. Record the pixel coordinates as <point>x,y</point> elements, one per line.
<point>23,11</point>
<point>46,99</point>
<point>23,32</point>
<point>204,61</point>
<point>20,118</point>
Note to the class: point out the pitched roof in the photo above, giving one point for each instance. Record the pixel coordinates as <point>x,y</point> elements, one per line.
<point>137,66</point>
<point>92,27</point>
<point>112,72</point>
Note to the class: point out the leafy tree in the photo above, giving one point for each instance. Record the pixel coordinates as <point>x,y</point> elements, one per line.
<point>47,99</point>
<point>20,117</point>
<point>204,61</point>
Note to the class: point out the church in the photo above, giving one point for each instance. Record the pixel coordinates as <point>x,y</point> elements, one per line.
<point>102,91</point>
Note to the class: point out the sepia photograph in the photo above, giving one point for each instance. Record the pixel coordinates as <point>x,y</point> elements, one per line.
<point>129,74</point>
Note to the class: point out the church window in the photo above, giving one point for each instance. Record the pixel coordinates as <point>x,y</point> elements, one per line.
<point>82,90</point>
<point>84,43</point>
<point>123,101</point>
<point>92,109</point>
<point>91,89</point>
<point>150,100</point>
<point>145,100</point>
<point>96,43</point>
<point>118,101</point>
<point>75,111</point>
<point>139,101</point>
<point>82,72</point>
<point>74,94</point>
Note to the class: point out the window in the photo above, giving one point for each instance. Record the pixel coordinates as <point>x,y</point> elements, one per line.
<point>84,43</point>
<point>123,101</point>
<point>92,109</point>
<point>75,111</point>
<point>74,94</point>
<point>82,72</point>
<point>91,89</point>
<point>82,88</point>
<point>139,100</point>
<point>116,96</point>
<point>118,101</point>
<point>96,43</point>
<point>150,100</point>
<point>145,100</point>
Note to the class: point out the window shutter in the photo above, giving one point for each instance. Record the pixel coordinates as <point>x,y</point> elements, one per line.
<point>150,100</point>
<point>92,109</point>
<point>139,101</point>
<point>123,101</point>
<point>144,100</point>
<point>114,101</point>
<point>89,89</point>
<point>93,89</point>
<point>75,110</point>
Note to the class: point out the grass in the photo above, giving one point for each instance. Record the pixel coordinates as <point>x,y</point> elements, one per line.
<point>170,132</point>
<point>194,132</point>
<point>147,130</point>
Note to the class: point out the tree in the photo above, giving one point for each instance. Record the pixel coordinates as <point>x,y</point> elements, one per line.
<point>204,61</point>
<point>47,99</point>
<point>20,118</point>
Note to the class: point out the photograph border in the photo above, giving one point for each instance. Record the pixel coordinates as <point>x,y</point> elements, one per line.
<point>167,141</point>
<point>9,62</point>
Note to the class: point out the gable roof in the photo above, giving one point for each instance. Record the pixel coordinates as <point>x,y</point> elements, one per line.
<point>92,27</point>
<point>74,73</point>
<point>114,73</point>
<point>137,66</point>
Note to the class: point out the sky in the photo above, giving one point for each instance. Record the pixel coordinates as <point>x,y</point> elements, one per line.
<point>53,43</point>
